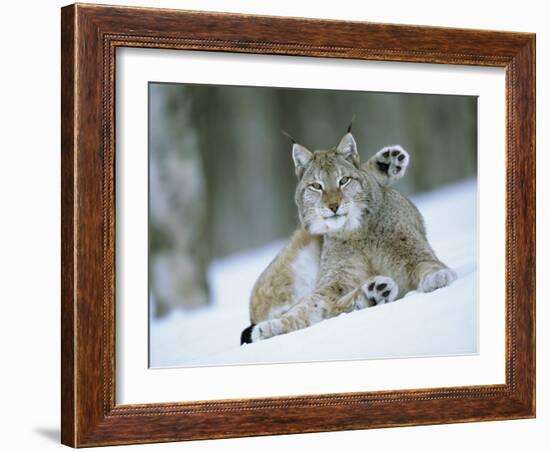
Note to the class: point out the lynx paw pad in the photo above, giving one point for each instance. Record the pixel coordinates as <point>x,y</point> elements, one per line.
<point>392,161</point>
<point>380,290</point>
<point>436,280</point>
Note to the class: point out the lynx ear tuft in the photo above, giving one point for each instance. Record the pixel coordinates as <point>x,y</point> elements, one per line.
<point>351,124</point>
<point>301,156</point>
<point>348,148</point>
<point>286,134</point>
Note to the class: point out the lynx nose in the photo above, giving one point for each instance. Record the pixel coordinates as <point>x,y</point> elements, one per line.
<point>334,206</point>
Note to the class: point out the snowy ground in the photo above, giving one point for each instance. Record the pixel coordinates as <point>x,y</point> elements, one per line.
<point>443,322</point>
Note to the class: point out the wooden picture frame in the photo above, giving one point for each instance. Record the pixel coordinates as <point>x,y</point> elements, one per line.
<point>90,35</point>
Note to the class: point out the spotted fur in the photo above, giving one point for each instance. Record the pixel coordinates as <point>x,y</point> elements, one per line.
<point>370,241</point>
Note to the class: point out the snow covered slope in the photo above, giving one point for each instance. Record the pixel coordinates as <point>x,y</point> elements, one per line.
<point>443,322</point>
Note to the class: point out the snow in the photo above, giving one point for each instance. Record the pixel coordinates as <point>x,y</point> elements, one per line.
<point>444,322</point>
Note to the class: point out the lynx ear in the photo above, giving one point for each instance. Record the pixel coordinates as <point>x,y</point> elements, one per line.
<point>301,156</point>
<point>348,148</point>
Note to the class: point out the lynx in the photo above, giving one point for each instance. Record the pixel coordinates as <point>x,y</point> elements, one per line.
<point>360,243</point>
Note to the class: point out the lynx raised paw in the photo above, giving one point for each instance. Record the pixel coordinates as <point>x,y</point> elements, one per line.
<point>380,290</point>
<point>437,280</point>
<point>266,329</point>
<point>392,161</point>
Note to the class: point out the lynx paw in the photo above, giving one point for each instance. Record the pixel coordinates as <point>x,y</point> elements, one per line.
<point>436,280</point>
<point>266,329</point>
<point>392,161</point>
<point>380,290</point>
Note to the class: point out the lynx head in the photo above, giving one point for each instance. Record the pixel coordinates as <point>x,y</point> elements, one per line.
<point>333,195</point>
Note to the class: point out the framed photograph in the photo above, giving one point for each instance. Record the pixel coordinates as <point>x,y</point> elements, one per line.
<point>282,225</point>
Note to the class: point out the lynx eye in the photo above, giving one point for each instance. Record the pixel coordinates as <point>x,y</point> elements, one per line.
<point>344,180</point>
<point>316,186</point>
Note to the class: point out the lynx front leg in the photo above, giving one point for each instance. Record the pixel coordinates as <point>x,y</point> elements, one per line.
<point>307,312</point>
<point>325,304</point>
<point>388,165</point>
<point>313,308</point>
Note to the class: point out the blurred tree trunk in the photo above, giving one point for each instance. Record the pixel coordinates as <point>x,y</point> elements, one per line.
<point>248,169</point>
<point>177,204</point>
